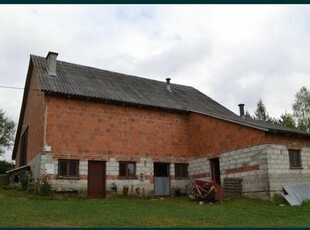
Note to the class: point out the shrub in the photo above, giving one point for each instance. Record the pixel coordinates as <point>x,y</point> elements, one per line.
<point>24,180</point>
<point>5,166</point>
<point>45,185</point>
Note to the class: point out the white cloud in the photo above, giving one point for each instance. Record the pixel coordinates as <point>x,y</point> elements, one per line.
<point>233,53</point>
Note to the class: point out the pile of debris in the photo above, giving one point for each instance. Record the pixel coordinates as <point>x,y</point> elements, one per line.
<point>208,191</point>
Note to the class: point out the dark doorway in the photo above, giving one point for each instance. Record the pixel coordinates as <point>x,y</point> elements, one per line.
<point>96,179</point>
<point>215,170</point>
<point>24,146</point>
<point>161,179</point>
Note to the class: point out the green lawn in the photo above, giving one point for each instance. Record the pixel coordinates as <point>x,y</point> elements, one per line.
<point>25,209</point>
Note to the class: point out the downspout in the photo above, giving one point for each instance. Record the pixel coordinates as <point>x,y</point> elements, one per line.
<point>45,123</point>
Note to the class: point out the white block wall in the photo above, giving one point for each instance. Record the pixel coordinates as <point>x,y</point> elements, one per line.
<point>273,173</point>
<point>279,170</point>
<point>144,166</point>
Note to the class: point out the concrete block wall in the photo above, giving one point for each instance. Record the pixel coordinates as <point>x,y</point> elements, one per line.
<point>35,165</point>
<point>251,165</point>
<point>81,184</point>
<point>280,173</point>
<point>199,168</point>
<point>177,183</point>
<point>83,169</point>
<point>144,166</point>
<point>263,168</point>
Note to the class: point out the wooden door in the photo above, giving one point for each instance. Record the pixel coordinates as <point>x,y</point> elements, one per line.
<point>96,179</point>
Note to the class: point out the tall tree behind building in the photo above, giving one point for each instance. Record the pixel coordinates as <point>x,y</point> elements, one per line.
<point>301,109</point>
<point>287,120</point>
<point>261,113</point>
<point>7,132</point>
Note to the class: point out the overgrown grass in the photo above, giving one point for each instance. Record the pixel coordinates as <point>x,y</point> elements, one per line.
<point>22,209</point>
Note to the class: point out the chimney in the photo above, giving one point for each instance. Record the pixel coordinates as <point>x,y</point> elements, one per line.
<point>168,84</point>
<point>51,63</point>
<point>241,109</point>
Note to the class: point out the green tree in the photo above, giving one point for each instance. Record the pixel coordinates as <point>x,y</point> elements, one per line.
<point>287,120</point>
<point>7,132</point>
<point>301,109</point>
<point>261,113</point>
<point>5,166</point>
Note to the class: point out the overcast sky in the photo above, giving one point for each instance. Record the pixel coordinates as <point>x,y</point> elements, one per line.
<point>233,53</point>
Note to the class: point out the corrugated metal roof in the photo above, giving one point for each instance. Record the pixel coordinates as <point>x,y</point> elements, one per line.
<point>295,194</point>
<point>93,83</point>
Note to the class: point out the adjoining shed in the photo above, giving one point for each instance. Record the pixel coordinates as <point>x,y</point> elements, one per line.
<point>14,174</point>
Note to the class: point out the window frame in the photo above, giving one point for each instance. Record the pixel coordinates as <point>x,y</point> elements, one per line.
<point>68,176</point>
<point>179,171</point>
<point>295,159</point>
<point>134,176</point>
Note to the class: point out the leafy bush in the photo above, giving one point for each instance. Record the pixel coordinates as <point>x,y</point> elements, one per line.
<point>45,185</point>
<point>24,180</point>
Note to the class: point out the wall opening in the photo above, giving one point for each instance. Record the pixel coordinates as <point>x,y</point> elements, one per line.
<point>24,146</point>
<point>215,170</point>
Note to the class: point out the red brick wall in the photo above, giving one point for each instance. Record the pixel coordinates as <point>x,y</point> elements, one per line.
<point>34,119</point>
<point>95,131</point>
<point>210,135</point>
<point>290,142</point>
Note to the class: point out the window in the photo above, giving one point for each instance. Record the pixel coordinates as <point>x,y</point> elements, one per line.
<point>295,159</point>
<point>127,169</point>
<point>68,168</point>
<point>181,170</point>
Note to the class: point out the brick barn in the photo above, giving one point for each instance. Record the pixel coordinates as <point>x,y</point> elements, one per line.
<point>88,128</point>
